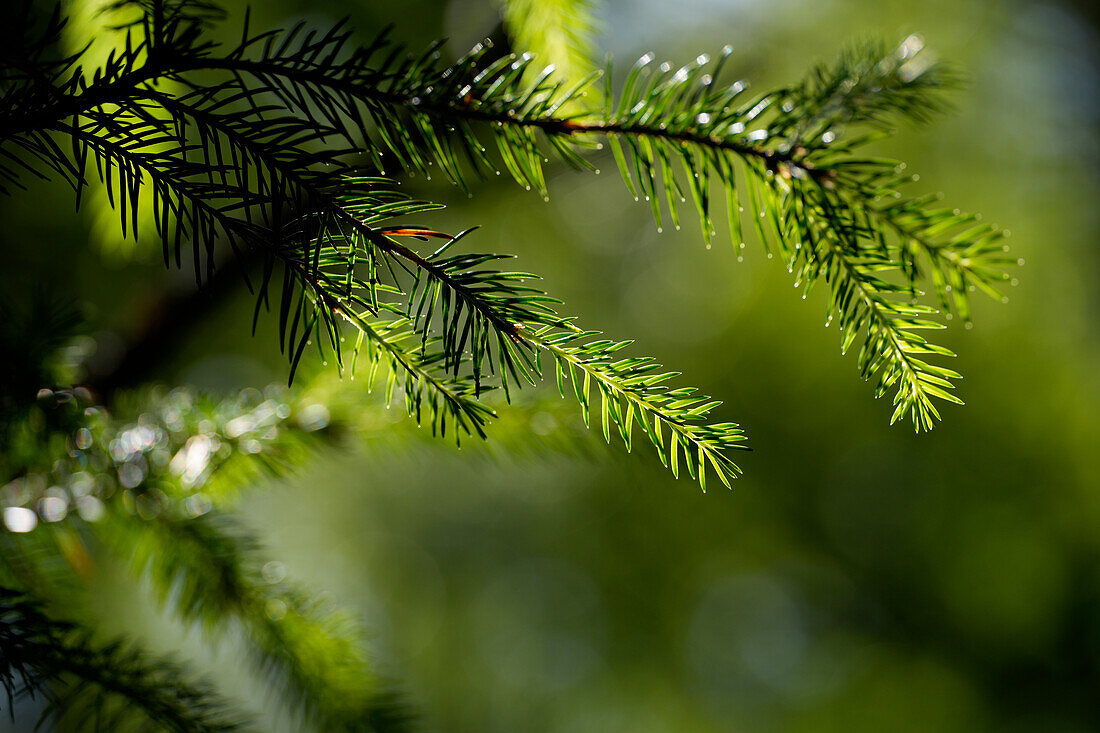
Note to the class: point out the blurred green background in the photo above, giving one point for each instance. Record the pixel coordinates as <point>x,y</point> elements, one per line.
<point>859,577</point>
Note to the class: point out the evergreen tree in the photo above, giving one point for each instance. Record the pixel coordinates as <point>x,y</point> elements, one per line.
<point>274,163</point>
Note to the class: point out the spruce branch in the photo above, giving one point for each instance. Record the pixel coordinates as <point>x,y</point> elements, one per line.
<point>210,572</point>
<point>633,390</point>
<point>258,178</point>
<point>253,165</point>
<point>91,686</point>
<point>662,118</point>
<point>147,490</point>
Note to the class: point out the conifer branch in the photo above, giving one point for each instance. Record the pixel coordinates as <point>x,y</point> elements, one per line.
<point>99,687</point>
<point>208,570</point>
<point>250,178</point>
<point>254,167</point>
